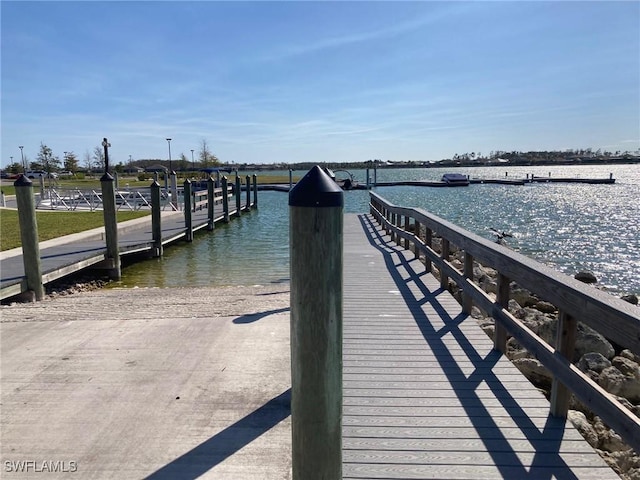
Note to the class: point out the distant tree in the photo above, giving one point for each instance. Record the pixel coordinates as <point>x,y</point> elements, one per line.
<point>183,162</point>
<point>205,156</point>
<point>88,161</point>
<point>46,158</point>
<point>15,167</point>
<point>70,162</point>
<point>98,157</point>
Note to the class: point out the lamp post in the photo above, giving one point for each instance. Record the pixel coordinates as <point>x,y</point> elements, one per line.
<point>130,165</point>
<point>24,168</point>
<point>170,168</point>
<point>193,164</point>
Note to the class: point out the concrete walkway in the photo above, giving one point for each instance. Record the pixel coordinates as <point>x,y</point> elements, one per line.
<point>147,383</point>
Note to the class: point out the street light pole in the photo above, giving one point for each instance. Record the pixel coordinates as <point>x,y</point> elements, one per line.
<point>193,164</point>
<point>24,168</point>
<point>170,168</point>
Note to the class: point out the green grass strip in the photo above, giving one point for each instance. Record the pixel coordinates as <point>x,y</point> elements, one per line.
<point>55,224</point>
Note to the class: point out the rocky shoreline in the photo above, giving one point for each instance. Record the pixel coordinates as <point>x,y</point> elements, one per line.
<point>615,369</point>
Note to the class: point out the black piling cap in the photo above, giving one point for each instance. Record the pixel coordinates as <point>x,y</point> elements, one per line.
<point>316,189</point>
<point>23,181</point>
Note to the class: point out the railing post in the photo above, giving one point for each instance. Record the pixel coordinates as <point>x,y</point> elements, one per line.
<point>315,236</point>
<point>188,216</point>
<point>156,219</point>
<point>211,203</point>
<point>29,236</point>
<point>290,179</point>
<point>387,217</point>
<point>428,241</point>
<point>565,345</point>
<point>255,191</point>
<point>398,225</point>
<point>417,234</point>
<point>502,299</point>
<point>248,180</point>
<point>225,198</point>
<point>238,195</point>
<point>467,302</point>
<point>444,255</point>
<point>406,229</point>
<point>110,225</point>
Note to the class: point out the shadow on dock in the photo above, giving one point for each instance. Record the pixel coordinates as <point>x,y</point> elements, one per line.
<point>546,462</point>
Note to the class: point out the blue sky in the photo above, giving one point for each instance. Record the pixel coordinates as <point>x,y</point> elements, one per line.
<point>271,82</point>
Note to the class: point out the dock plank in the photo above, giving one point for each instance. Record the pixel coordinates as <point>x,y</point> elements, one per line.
<point>425,393</point>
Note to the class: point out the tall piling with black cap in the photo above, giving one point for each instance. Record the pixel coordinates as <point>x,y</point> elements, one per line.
<point>225,199</point>
<point>248,193</point>
<point>255,190</point>
<point>188,214</point>
<point>29,237</point>
<point>238,192</point>
<point>109,211</point>
<point>315,242</point>
<point>156,219</point>
<point>211,203</point>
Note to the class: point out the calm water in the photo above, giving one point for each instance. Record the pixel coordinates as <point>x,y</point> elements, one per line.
<point>569,227</point>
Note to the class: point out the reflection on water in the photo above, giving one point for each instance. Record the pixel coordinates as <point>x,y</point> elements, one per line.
<point>569,226</point>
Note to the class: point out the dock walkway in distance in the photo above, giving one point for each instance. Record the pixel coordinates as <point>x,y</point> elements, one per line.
<point>425,393</point>
<point>66,255</point>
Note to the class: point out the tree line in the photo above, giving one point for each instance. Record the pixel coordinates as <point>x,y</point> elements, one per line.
<point>94,160</point>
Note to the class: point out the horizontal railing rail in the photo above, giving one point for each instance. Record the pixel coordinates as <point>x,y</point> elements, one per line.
<point>574,300</point>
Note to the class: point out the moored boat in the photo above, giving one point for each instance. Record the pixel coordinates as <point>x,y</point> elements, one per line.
<point>455,180</point>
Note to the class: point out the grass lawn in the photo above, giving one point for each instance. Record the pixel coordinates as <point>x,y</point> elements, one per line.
<point>55,224</point>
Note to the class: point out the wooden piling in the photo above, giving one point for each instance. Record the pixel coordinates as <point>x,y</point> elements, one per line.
<point>255,191</point>
<point>112,255</point>
<point>156,219</point>
<point>316,238</point>
<point>248,184</point>
<point>174,191</point>
<point>238,196</point>
<point>29,236</point>
<point>225,198</point>
<point>211,202</point>
<point>188,217</point>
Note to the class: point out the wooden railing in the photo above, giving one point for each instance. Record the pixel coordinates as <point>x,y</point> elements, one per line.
<point>618,320</point>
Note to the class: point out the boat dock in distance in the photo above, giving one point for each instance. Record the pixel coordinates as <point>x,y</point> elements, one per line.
<point>457,182</point>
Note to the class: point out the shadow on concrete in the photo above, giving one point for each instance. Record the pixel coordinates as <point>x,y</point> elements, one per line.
<point>204,457</point>
<point>254,317</point>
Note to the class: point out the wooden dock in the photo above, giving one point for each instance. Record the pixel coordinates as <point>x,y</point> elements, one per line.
<point>425,393</point>
<point>68,255</point>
